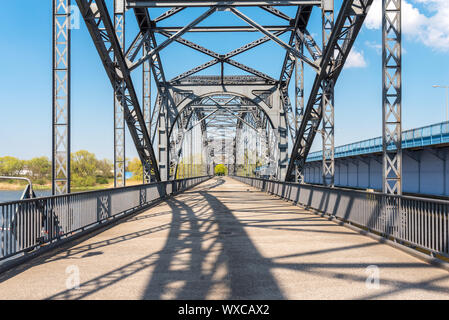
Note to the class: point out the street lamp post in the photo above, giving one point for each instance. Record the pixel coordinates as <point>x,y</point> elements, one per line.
<point>447,99</point>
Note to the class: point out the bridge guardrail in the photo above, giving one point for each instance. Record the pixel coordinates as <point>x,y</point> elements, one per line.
<point>28,224</point>
<point>415,222</point>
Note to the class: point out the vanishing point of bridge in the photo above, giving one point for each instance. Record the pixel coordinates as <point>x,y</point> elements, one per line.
<point>183,233</point>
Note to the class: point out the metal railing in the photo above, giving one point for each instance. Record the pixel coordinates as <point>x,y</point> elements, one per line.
<point>429,135</point>
<point>27,224</point>
<point>28,192</point>
<point>416,222</point>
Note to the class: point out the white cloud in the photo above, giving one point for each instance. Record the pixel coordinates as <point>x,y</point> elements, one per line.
<point>432,29</point>
<point>374,45</point>
<point>355,59</point>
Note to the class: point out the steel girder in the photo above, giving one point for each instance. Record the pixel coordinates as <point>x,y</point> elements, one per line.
<point>218,58</point>
<point>278,13</point>
<point>101,29</point>
<point>327,101</point>
<point>119,114</point>
<point>276,28</point>
<point>347,26</point>
<point>299,94</point>
<point>289,48</point>
<point>162,109</point>
<point>205,3</point>
<point>168,14</point>
<point>61,98</point>
<point>172,38</point>
<point>301,21</point>
<point>391,97</point>
<point>146,104</point>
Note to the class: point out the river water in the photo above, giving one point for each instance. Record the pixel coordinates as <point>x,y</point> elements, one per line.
<point>8,195</point>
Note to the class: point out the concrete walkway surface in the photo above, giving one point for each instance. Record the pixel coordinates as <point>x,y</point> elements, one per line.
<point>226,240</point>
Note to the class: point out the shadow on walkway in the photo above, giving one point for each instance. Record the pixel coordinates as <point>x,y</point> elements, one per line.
<point>208,250</point>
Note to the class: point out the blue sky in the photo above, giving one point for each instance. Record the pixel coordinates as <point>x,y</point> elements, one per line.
<point>25,79</point>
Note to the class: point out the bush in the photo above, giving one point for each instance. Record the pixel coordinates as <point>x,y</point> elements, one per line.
<point>40,181</point>
<point>78,181</point>
<point>102,180</point>
<point>221,170</point>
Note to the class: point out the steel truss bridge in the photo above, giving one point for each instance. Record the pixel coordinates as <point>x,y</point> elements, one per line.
<point>244,121</point>
<point>254,124</point>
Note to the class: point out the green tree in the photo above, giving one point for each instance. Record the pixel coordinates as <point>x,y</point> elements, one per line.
<point>135,166</point>
<point>10,166</point>
<point>84,168</point>
<point>105,168</point>
<point>221,170</point>
<point>39,168</point>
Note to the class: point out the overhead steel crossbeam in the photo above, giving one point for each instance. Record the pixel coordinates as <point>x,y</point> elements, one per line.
<point>168,14</point>
<point>276,12</point>
<point>347,26</point>
<point>218,58</point>
<point>274,38</point>
<point>101,29</point>
<point>173,38</point>
<point>223,29</point>
<point>205,3</point>
<point>217,80</point>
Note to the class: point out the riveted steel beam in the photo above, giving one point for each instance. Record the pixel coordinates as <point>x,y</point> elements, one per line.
<point>347,26</point>
<point>233,29</point>
<point>119,113</point>
<point>328,130</point>
<point>146,103</point>
<point>168,14</point>
<point>391,97</point>
<point>274,38</point>
<point>278,13</point>
<point>101,29</point>
<point>301,21</point>
<point>172,38</point>
<point>61,98</point>
<point>205,3</point>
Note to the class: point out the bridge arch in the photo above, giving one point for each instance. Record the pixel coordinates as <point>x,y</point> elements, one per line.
<point>240,111</point>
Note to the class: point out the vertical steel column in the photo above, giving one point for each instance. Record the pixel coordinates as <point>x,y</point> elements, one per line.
<point>191,155</point>
<point>119,114</point>
<point>61,98</point>
<point>234,152</point>
<point>391,97</point>
<point>162,132</point>
<point>146,101</point>
<point>299,96</point>
<point>327,101</point>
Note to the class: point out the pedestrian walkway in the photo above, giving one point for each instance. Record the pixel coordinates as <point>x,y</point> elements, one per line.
<point>225,240</point>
